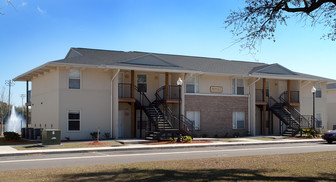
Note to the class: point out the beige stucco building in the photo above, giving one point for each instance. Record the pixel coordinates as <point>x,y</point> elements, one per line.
<point>135,94</point>
<point>331,106</point>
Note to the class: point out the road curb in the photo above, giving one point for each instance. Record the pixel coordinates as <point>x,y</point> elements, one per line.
<point>152,147</point>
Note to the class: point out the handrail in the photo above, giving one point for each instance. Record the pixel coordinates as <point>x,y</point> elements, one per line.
<point>187,125</point>
<point>124,90</point>
<point>148,104</point>
<point>172,92</point>
<point>300,119</point>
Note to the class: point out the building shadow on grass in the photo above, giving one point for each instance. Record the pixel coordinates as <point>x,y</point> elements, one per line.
<point>189,175</point>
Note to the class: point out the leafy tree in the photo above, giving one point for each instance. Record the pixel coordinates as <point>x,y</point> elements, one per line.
<point>260,18</point>
<point>10,3</point>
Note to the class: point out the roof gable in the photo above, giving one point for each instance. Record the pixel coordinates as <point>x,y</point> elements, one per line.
<point>150,60</point>
<point>73,53</point>
<point>275,69</point>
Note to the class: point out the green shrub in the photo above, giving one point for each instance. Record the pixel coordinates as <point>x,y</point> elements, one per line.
<point>172,140</point>
<point>12,136</point>
<point>94,135</point>
<point>187,139</point>
<point>107,135</point>
<point>310,133</point>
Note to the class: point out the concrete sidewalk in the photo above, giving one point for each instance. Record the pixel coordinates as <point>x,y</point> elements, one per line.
<point>141,145</point>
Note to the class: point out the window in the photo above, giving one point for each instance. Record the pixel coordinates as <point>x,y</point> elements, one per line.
<point>194,116</point>
<point>73,120</point>
<point>74,79</point>
<point>318,120</point>
<point>318,90</point>
<point>192,84</point>
<point>237,86</point>
<point>142,82</point>
<point>238,120</point>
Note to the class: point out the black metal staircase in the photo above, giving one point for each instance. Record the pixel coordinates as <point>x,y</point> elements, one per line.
<point>290,116</point>
<point>165,123</point>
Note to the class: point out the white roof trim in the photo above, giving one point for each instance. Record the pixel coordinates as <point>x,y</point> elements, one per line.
<point>169,70</point>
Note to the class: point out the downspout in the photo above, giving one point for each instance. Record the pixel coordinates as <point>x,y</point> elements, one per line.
<point>111,122</point>
<point>249,105</point>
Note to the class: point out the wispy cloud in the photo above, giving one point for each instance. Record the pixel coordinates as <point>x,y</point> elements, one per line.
<point>41,10</point>
<point>24,4</point>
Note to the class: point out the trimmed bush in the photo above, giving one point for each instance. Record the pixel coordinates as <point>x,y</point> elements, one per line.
<point>173,140</point>
<point>187,139</point>
<point>94,135</point>
<point>107,135</point>
<point>12,136</point>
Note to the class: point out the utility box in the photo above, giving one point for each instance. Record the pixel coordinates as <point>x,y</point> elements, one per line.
<point>51,137</point>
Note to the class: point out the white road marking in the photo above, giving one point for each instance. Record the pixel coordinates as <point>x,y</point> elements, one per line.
<point>161,153</point>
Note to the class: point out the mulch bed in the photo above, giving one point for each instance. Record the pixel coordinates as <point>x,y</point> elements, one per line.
<point>168,142</point>
<point>97,143</point>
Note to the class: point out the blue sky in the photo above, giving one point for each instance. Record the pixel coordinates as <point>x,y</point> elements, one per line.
<point>38,31</point>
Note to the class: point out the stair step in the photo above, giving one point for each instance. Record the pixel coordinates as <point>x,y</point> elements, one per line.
<point>149,138</point>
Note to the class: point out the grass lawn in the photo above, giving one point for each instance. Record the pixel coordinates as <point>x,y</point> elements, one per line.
<point>232,140</point>
<point>65,145</point>
<point>290,167</point>
<point>20,142</point>
<point>265,138</point>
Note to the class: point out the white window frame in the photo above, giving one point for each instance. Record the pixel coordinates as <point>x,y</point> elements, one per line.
<point>235,86</point>
<point>194,83</point>
<point>69,77</point>
<point>318,87</point>
<point>318,118</point>
<point>195,118</point>
<point>235,120</point>
<point>145,82</point>
<point>80,122</point>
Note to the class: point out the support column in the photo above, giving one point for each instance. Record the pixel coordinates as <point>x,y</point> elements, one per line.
<point>252,110</point>
<point>115,104</point>
<point>182,95</point>
<point>27,109</point>
<point>133,106</point>
<point>166,85</point>
<point>264,106</point>
<point>288,91</point>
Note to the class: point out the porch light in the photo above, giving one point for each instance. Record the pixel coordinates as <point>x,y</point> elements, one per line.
<point>179,81</point>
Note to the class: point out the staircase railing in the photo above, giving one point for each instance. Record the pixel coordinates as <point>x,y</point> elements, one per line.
<point>145,103</point>
<point>124,90</point>
<point>173,92</point>
<point>183,122</point>
<point>302,121</point>
<point>271,102</point>
<point>284,115</point>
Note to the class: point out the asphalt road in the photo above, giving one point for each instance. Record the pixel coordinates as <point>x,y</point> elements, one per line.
<point>117,157</point>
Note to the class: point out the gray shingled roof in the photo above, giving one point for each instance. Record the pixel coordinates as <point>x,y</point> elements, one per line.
<point>179,63</point>
<point>191,63</point>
